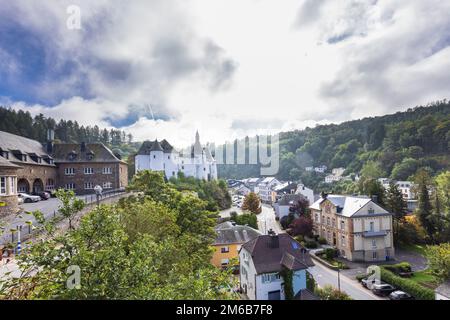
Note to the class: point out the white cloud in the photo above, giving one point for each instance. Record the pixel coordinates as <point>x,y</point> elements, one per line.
<point>239,67</point>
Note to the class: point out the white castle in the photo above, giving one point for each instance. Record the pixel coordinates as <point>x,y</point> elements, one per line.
<point>196,162</point>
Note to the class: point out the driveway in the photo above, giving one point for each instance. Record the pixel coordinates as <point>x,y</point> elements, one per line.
<point>325,276</point>
<point>266,220</point>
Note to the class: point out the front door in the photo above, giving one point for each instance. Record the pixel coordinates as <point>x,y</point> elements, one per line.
<point>334,239</point>
<point>275,295</point>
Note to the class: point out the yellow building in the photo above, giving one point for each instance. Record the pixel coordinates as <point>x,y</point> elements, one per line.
<point>228,242</point>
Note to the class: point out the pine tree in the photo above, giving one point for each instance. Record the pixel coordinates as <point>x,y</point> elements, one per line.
<point>424,209</point>
<point>397,206</point>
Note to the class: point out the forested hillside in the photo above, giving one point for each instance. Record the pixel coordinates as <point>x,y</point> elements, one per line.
<point>23,124</point>
<point>400,143</point>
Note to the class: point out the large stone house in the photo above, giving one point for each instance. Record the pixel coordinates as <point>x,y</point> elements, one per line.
<point>265,259</point>
<point>28,166</point>
<point>357,226</point>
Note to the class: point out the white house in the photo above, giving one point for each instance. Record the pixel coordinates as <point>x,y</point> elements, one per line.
<point>265,188</point>
<point>321,169</point>
<point>306,192</point>
<point>338,171</point>
<point>332,178</point>
<point>282,206</point>
<point>197,162</point>
<point>262,262</point>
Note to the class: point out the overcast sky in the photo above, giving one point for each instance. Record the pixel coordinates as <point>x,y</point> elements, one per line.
<point>228,68</point>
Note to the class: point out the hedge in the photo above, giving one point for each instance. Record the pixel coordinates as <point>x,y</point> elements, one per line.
<point>409,286</point>
<point>403,267</point>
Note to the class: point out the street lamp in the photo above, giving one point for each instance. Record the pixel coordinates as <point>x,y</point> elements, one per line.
<point>339,278</point>
<point>98,192</point>
<point>19,244</point>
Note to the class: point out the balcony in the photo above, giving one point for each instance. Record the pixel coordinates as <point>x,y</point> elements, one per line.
<point>374,234</point>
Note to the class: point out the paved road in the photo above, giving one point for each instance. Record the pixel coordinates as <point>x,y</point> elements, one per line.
<point>325,276</point>
<point>266,220</point>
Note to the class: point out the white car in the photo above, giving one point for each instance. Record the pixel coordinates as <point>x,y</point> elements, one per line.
<point>27,198</point>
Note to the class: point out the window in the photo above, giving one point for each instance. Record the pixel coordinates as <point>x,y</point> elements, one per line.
<point>154,157</point>
<point>13,183</point>
<point>50,184</point>
<point>224,249</point>
<point>270,277</point>
<point>107,185</point>
<point>24,157</point>
<point>328,221</point>
<point>372,226</point>
<point>317,217</point>
<point>224,262</point>
<point>168,157</point>
<point>374,255</point>
<point>342,225</point>
<point>70,186</point>
<point>88,185</point>
<point>69,171</point>
<point>374,243</point>
<point>343,241</point>
<point>333,222</point>
<point>371,211</point>
<point>2,185</point>
<point>88,170</point>
<point>107,170</point>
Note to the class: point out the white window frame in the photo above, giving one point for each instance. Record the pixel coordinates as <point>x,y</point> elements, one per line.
<point>70,186</point>
<point>69,171</point>
<point>88,170</point>
<point>107,170</point>
<point>88,186</point>
<point>3,184</point>
<point>107,185</point>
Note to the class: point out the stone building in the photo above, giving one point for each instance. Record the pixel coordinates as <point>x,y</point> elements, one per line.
<point>28,166</point>
<point>357,226</point>
<point>8,187</point>
<point>80,167</point>
<point>37,170</point>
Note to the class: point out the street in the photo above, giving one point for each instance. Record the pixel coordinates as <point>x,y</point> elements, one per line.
<point>266,220</point>
<point>325,276</point>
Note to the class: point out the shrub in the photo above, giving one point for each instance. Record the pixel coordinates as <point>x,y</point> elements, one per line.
<point>330,293</point>
<point>403,267</point>
<point>299,238</point>
<point>360,277</point>
<point>330,253</point>
<point>416,290</point>
<point>322,240</point>
<point>311,244</point>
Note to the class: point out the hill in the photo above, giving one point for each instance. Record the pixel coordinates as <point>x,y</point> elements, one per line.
<point>399,143</point>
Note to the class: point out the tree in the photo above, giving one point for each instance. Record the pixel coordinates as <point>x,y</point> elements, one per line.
<point>252,203</point>
<point>443,190</point>
<point>374,189</point>
<point>300,207</point>
<point>249,219</point>
<point>302,226</point>
<point>424,209</point>
<point>439,260</point>
<point>396,205</point>
<point>70,205</point>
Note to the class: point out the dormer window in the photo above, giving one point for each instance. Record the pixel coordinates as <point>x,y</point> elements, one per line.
<point>72,155</point>
<point>371,211</point>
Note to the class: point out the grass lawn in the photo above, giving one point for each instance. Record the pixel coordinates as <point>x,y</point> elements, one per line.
<point>426,279</point>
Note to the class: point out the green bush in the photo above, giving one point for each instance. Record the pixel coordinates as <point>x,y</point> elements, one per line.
<point>409,286</point>
<point>299,238</point>
<point>330,253</point>
<point>311,244</point>
<point>322,240</point>
<point>403,267</point>
<point>360,277</point>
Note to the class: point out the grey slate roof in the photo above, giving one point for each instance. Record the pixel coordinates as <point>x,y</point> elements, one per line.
<point>148,146</point>
<point>15,144</point>
<point>289,199</point>
<point>305,294</point>
<point>100,153</point>
<point>4,163</point>
<point>267,258</point>
<point>227,233</point>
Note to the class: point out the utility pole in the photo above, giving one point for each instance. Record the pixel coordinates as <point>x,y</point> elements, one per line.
<point>339,279</point>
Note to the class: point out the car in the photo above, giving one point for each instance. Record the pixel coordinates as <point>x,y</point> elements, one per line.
<point>383,289</point>
<point>27,198</point>
<point>366,283</point>
<point>52,193</point>
<point>400,295</point>
<point>43,194</point>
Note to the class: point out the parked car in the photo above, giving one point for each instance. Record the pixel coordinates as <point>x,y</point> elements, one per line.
<point>52,193</point>
<point>383,289</point>
<point>366,283</point>
<point>44,195</point>
<point>400,295</point>
<point>27,198</point>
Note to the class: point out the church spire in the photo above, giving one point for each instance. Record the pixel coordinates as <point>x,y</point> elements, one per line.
<point>197,144</point>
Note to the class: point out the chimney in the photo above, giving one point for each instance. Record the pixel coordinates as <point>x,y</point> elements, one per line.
<point>83,146</point>
<point>324,195</point>
<point>375,198</point>
<point>274,240</point>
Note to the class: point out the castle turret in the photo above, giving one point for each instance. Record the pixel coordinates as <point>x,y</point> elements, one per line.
<point>156,156</point>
